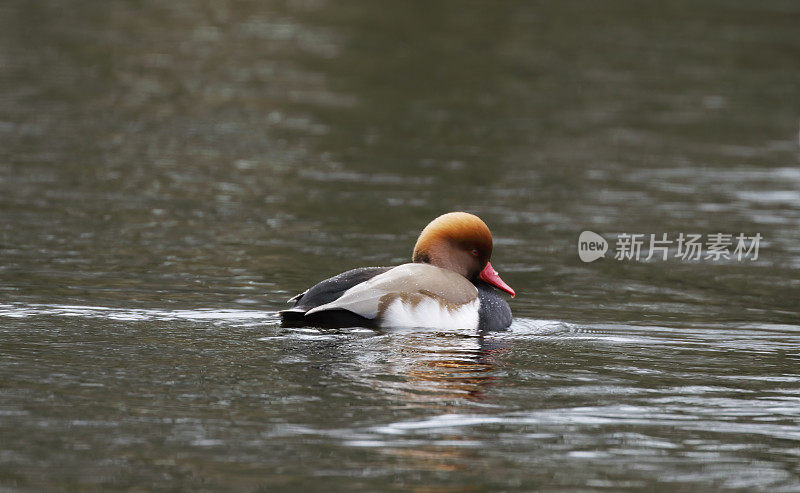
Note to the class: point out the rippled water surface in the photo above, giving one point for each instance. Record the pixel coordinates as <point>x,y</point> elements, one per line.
<point>172,172</point>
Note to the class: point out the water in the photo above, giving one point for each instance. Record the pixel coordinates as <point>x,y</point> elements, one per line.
<point>171,173</point>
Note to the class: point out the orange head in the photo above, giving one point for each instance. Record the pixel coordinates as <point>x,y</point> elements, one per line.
<point>460,242</point>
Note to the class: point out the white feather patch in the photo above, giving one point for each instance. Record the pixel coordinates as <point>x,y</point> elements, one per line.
<point>430,313</point>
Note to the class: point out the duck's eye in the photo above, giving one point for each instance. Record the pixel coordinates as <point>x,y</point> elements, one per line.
<point>474,252</point>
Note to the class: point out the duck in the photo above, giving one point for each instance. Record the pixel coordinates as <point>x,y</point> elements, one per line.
<point>449,284</point>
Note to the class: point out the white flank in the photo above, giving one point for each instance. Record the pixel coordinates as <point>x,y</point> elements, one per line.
<point>430,313</point>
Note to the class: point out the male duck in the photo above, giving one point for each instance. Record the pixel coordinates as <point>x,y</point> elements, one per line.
<point>449,285</point>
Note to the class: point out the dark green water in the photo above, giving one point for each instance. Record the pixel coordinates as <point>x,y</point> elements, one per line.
<point>172,172</point>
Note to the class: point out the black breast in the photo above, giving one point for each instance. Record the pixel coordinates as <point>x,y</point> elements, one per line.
<point>494,313</point>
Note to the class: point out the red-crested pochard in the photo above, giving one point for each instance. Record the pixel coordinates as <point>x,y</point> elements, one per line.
<point>449,285</point>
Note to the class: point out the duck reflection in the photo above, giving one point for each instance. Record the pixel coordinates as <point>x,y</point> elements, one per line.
<point>403,376</point>
<point>437,368</point>
<point>431,373</point>
<point>449,366</point>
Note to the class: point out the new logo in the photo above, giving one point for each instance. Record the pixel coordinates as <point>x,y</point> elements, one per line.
<point>591,246</point>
